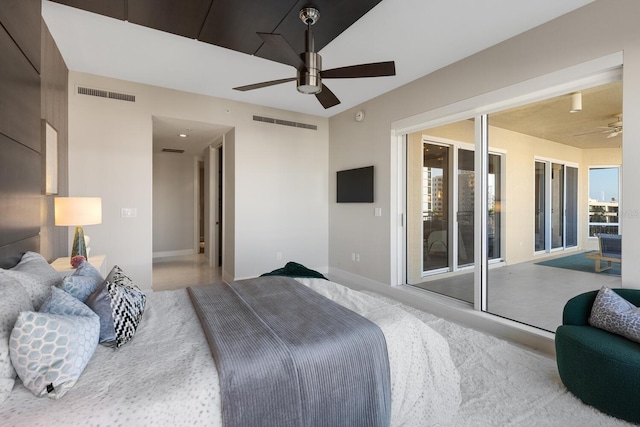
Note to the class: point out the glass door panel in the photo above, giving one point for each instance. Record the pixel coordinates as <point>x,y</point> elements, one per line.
<point>540,207</point>
<point>435,207</point>
<point>557,205</point>
<point>571,207</point>
<point>494,205</point>
<point>464,217</point>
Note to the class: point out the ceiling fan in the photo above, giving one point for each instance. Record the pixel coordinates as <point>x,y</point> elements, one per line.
<point>613,129</point>
<point>309,65</point>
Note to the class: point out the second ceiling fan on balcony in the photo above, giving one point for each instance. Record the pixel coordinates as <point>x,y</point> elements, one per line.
<point>309,65</point>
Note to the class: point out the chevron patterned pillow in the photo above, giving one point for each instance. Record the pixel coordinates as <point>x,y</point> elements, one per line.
<point>120,305</point>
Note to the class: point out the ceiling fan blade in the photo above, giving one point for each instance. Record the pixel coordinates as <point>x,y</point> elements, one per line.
<point>263,84</point>
<point>284,51</point>
<point>327,98</point>
<point>593,132</point>
<point>376,69</point>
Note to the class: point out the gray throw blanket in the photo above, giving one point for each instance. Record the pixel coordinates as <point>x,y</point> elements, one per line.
<point>287,356</point>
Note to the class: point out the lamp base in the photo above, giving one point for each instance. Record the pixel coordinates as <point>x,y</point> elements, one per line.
<point>79,245</point>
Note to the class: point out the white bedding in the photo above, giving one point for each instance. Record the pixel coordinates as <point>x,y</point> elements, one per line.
<point>166,375</point>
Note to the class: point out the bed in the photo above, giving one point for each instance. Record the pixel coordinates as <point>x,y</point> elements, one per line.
<point>166,375</point>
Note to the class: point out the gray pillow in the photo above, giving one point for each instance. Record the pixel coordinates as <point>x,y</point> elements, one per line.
<point>615,314</point>
<point>13,300</point>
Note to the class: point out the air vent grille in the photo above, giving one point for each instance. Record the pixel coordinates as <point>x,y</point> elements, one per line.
<point>106,94</point>
<point>172,150</point>
<point>284,122</point>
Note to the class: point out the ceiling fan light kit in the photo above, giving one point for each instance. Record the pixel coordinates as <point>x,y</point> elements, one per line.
<point>309,65</point>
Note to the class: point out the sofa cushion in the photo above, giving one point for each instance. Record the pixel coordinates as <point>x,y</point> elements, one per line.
<point>615,314</point>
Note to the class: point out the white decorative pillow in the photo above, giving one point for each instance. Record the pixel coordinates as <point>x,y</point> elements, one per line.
<point>13,299</point>
<point>615,314</point>
<point>50,349</point>
<point>120,305</point>
<point>37,276</point>
<point>83,282</point>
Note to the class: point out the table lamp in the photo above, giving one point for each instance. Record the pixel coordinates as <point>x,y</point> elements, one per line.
<point>78,211</point>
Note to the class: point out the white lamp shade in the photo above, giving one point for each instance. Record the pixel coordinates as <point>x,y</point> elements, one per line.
<point>74,211</point>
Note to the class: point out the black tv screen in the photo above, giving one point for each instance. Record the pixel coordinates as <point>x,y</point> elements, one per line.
<point>355,185</point>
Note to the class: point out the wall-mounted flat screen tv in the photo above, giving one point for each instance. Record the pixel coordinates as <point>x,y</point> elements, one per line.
<point>355,185</point>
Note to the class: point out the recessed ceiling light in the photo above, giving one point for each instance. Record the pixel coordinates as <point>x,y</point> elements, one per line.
<point>183,135</point>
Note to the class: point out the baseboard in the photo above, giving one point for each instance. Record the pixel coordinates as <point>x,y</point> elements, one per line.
<point>167,254</point>
<point>453,310</point>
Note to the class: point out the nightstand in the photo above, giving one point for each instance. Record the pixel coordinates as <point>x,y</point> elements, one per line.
<point>63,265</point>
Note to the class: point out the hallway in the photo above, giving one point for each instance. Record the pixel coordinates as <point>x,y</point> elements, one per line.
<point>182,271</point>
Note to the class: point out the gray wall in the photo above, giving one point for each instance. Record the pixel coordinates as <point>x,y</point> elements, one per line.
<point>174,202</point>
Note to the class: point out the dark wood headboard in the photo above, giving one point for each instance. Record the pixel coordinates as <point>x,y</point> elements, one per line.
<point>20,141</point>
<point>33,88</point>
<point>10,254</point>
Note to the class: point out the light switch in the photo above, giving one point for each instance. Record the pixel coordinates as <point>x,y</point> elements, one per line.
<point>377,212</point>
<point>128,212</point>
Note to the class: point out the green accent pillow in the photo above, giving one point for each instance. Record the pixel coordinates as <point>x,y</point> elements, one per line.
<point>293,269</point>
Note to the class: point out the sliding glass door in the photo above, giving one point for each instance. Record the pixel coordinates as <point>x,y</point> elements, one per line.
<point>441,193</point>
<point>494,200</point>
<point>555,206</point>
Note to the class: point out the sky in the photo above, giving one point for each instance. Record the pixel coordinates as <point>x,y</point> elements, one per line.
<point>603,184</point>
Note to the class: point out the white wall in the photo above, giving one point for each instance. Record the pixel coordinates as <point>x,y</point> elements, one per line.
<point>275,176</point>
<point>174,202</point>
<point>596,30</point>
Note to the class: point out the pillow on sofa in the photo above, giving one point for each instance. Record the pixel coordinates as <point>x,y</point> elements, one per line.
<point>83,282</point>
<point>615,314</point>
<point>37,276</point>
<point>119,304</point>
<point>13,299</point>
<point>51,348</point>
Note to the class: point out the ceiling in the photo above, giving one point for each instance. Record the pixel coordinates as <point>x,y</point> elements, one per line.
<point>551,119</point>
<point>121,40</point>
<point>210,46</point>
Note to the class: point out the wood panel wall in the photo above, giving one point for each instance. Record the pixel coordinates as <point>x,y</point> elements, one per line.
<point>26,216</point>
<point>54,80</point>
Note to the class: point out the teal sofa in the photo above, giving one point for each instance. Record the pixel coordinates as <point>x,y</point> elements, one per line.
<point>600,368</point>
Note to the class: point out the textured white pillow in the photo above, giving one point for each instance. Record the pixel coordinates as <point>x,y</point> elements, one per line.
<point>83,282</point>
<point>50,349</point>
<point>37,276</point>
<point>13,299</point>
<point>615,314</point>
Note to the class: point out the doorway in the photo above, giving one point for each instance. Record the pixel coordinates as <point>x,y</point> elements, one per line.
<point>187,193</point>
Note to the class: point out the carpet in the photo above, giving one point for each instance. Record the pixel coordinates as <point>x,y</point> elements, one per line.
<point>506,385</point>
<point>579,262</point>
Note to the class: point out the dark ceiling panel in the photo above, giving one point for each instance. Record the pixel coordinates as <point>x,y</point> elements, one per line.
<point>184,17</point>
<point>234,23</point>
<point>110,8</point>
<point>335,17</point>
